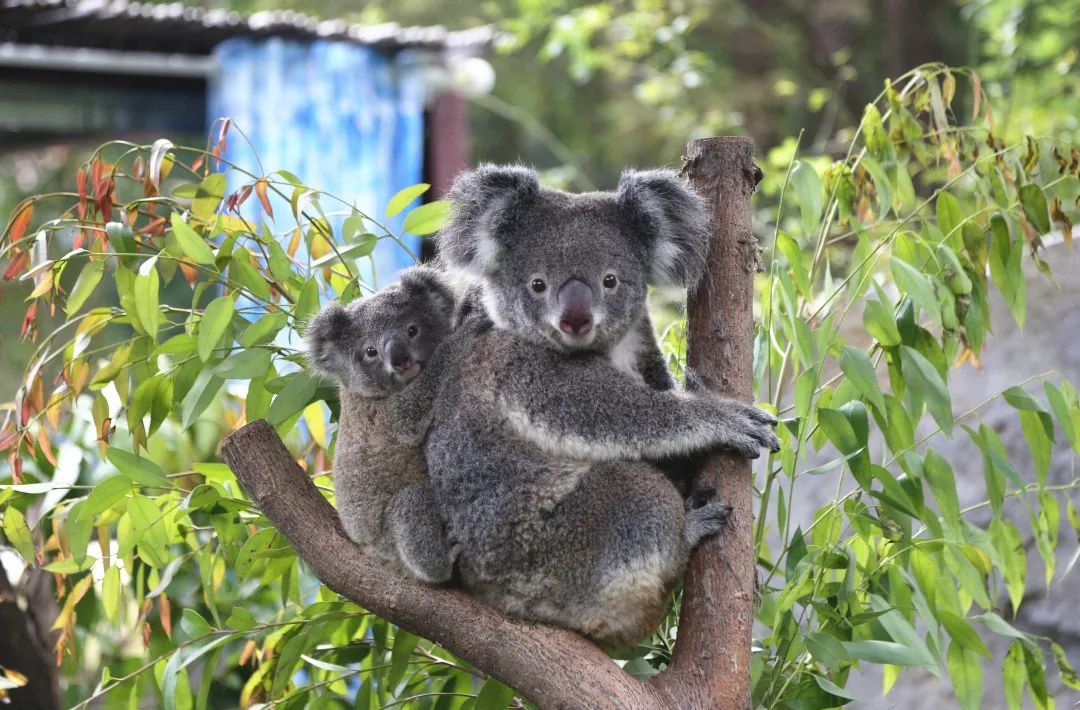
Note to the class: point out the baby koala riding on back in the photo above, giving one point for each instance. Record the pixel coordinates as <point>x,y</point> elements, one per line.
<point>377,349</point>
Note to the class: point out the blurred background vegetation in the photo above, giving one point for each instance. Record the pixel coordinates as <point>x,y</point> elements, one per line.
<point>585,89</point>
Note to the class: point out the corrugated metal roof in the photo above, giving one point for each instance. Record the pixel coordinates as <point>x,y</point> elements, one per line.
<point>177,28</point>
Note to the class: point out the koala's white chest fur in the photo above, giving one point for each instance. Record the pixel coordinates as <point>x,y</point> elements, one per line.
<point>624,356</point>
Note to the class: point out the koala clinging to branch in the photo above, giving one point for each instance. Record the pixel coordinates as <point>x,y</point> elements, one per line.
<point>378,349</point>
<point>541,435</point>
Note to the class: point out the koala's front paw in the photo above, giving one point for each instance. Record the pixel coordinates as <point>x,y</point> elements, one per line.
<point>751,430</point>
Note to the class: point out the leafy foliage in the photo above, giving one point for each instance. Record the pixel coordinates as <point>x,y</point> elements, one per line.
<point>179,323</point>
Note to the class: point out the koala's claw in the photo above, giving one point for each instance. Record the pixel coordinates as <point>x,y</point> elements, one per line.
<point>700,498</point>
<point>705,521</point>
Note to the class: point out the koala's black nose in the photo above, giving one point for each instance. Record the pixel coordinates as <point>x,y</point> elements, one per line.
<point>575,308</point>
<point>399,357</point>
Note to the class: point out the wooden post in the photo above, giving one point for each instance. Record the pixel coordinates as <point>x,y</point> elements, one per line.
<point>711,665</point>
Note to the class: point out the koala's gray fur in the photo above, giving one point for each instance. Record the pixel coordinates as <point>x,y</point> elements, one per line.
<point>539,447</point>
<point>387,390</point>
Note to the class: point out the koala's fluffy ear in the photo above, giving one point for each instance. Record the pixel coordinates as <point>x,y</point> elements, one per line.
<point>326,341</point>
<point>483,200</point>
<point>673,222</point>
<point>427,283</point>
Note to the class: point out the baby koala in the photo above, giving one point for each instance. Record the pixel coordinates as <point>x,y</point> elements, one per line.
<point>377,349</point>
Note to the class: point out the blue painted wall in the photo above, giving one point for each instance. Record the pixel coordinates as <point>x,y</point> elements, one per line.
<point>346,119</point>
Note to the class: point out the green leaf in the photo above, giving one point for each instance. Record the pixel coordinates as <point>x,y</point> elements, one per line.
<point>427,218</point>
<point>807,186</point>
<point>966,675</point>
<point>828,650</point>
<point>244,365</point>
<point>248,557</point>
<point>148,531</point>
<point>403,197</point>
<point>882,184</point>
<point>18,534</point>
<point>884,652</point>
<point>1065,671</point>
<point>208,197</point>
<point>1033,201</point>
<point>943,484</point>
<point>264,330</point>
<point>924,378</point>
<point>902,632</point>
<point>241,619</point>
<point>193,624</point>
<point>915,284</point>
<point>494,696</point>
<point>215,321</point>
<point>297,394</point>
<point>79,529</point>
<point>136,468</point>
<point>856,364</point>
<point>110,593</point>
<point>949,214</point>
<point>1013,676</point>
<point>241,271</point>
<point>838,429</point>
<point>833,689</point>
<point>400,655</point>
<point>191,244</point>
<point>145,293</point>
<point>199,397</point>
<point>962,632</point>
<point>880,323</point>
<point>89,277</point>
<point>307,303</point>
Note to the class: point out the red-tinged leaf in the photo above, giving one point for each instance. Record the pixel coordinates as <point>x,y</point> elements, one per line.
<point>80,183</point>
<point>97,169</point>
<point>245,193</point>
<point>20,222</point>
<point>16,466</point>
<point>155,227</point>
<point>44,446</point>
<point>106,430</point>
<point>976,99</point>
<point>9,440</point>
<point>222,132</point>
<point>191,274</point>
<point>165,609</point>
<point>80,239</point>
<point>146,634</point>
<point>16,265</point>
<point>197,164</point>
<point>29,321</point>
<point>260,191</point>
<point>249,651</point>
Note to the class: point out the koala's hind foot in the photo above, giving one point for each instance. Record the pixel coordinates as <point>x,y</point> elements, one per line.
<point>420,536</point>
<point>703,522</point>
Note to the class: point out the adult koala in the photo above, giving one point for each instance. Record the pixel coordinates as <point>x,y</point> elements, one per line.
<point>541,434</point>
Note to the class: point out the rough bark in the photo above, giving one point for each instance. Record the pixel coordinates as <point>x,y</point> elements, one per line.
<point>712,657</point>
<point>26,642</point>
<point>552,667</point>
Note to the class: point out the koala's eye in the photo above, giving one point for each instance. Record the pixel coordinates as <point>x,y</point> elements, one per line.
<point>412,331</point>
<point>372,352</point>
<point>611,281</point>
<point>538,286</point>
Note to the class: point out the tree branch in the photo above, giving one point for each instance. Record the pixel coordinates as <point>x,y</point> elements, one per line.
<point>552,667</point>
<point>711,664</point>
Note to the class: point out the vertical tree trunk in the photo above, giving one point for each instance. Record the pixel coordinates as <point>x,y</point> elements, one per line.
<point>711,666</point>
